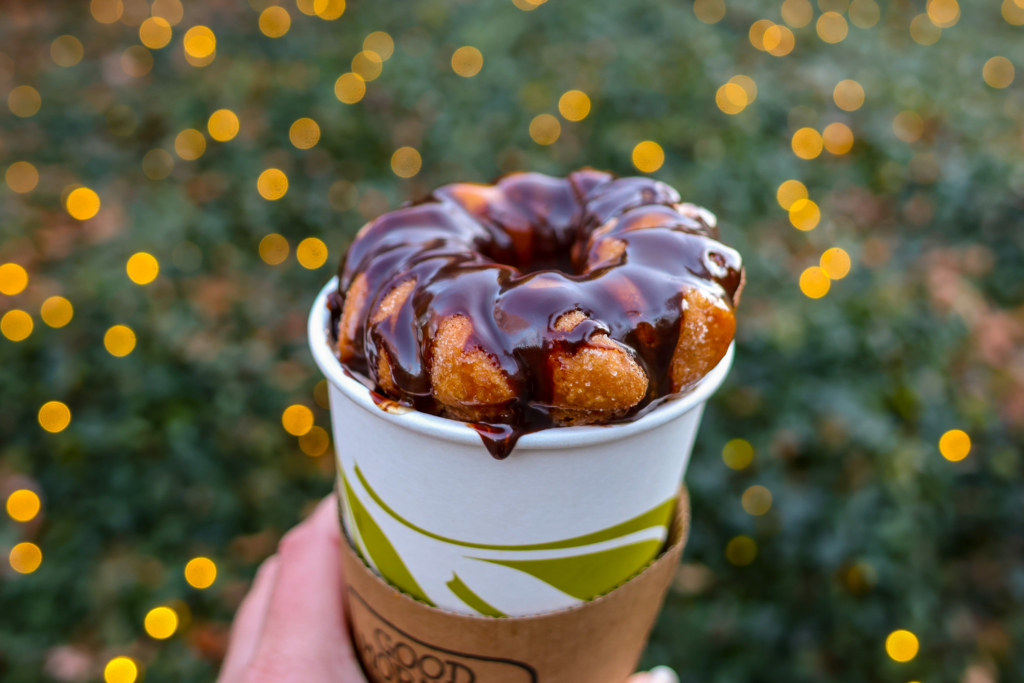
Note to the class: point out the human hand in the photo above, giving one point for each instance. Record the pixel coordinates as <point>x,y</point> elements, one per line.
<point>291,626</point>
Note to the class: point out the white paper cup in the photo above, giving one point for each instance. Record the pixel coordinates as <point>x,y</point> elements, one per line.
<point>572,513</point>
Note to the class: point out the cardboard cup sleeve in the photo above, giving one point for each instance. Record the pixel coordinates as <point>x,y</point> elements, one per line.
<point>401,640</point>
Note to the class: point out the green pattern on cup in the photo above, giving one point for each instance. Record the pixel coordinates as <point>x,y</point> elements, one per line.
<point>587,576</point>
<point>381,552</point>
<point>659,515</point>
<point>474,601</point>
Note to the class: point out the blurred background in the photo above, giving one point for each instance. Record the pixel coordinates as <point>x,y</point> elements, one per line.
<point>181,179</point>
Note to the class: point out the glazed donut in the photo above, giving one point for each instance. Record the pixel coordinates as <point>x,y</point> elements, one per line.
<point>537,301</point>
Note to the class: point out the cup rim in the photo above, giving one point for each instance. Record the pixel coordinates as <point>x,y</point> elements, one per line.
<point>459,432</point>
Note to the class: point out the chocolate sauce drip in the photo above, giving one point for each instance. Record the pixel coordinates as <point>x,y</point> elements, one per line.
<point>514,257</point>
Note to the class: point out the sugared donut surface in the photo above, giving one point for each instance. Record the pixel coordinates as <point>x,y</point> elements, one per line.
<point>537,301</point>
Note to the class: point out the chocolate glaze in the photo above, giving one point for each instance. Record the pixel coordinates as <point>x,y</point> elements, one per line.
<point>513,257</point>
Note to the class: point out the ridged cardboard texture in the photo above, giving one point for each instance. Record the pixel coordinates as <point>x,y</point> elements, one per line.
<point>401,640</point>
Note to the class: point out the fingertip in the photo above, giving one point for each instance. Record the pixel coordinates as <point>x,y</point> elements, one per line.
<point>326,513</point>
<point>266,571</point>
<point>320,524</point>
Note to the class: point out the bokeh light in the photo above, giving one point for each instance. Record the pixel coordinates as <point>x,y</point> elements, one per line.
<point>648,156</point>
<point>406,162</point>
<point>142,268</point>
<point>1013,13</point>
<point>13,279</point>
<point>467,61</point>
<point>119,340</point>
<point>757,31</point>
<point>545,129</point>
<point>273,249</point>
<point>22,177</point>
<point>54,416</point>
<point>321,394</point>
<point>748,85</point>
<point>955,445</point>
<point>901,645</point>
<point>574,105</point>
<point>25,558</point>
<point>190,144</point>
<point>738,454</point>
<point>199,42</point>
<point>527,5</point>
<point>797,13</point>
<point>349,88</point>
<point>297,419</point>
<point>56,311</point>
<point>66,51</point>
<point>155,33</point>
<point>24,101</point>
<point>864,13</point>
<point>157,164</point>
<point>380,43</point>
<point>849,95</point>
<point>709,11</point>
<point>837,138</point>
<point>200,62</point>
<point>16,325</point>
<point>367,65</point>
<point>731,98</point>
<point>134,12</point>
<point>311,253</point>
<point>223,125</point>
<point>272,184</point>
<point>832,27</point>
<point>807,143</point>
<point>106,11</point>
<point>815,282</point>
<point>924,31</point>
<point>779,41</point>
<point>304,133</point>
<point>136,61</point>
<point>741,551</point>
<point>275,21</point>
<point>200,572</point>
<point>836,263</point>
<point>861,578</point>
<point>161,622</point>
<point>944,13</point>
<point>998,72</point>
<point>790,192</point>
<point>23,505</point>
<point>170,11</point>
<point>908,126</point>
<point>314,442</point>
<point>329,10</point>
<point>756,500</point>
<point>120,670</point>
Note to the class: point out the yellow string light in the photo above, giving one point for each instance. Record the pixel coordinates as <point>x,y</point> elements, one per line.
<point>200,572</point>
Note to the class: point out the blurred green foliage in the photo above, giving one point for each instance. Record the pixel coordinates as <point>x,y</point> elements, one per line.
<point>177,449</point>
